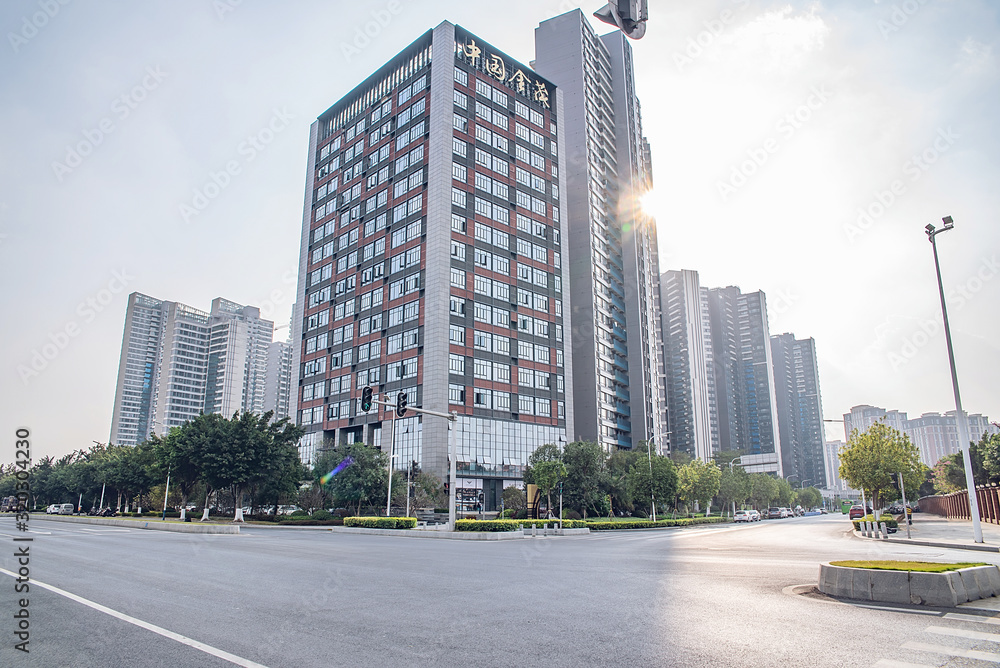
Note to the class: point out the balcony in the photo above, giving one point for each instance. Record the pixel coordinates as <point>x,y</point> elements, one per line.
<point>621,378</point>
<point>616,272</point>
<point>624,425</point>
<point>618,301</point>
<point>625,442</point>
<point>618,332</point>
<point>623,409</point>
<point>621,349</point>
<point>622,394</point>
<point>621,363</point>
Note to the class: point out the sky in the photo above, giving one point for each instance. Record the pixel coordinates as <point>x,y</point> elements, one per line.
<point>798,148</point>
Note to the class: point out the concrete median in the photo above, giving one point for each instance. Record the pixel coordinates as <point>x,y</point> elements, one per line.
<point>937,589</point>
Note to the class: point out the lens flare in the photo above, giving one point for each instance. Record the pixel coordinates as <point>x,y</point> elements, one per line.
<point>347,461</point>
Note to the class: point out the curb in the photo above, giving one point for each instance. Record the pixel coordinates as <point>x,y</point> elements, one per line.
<point>151,525</point>
<point>928,543</point>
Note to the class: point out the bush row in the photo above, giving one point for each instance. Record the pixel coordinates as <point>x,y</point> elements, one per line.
<point>608,526</point>
<point>513,525</point>
<point>890,521</point>
<point>381,522</point>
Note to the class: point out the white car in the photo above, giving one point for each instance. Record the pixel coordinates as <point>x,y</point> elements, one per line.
<point>754,515</point>
<point>741,516</point>
<point>53,509</point>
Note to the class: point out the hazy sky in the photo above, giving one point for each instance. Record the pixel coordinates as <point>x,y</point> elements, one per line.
<point>798,148</point>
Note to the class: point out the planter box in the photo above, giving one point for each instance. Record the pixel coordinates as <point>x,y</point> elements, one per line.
<point>938,589</point>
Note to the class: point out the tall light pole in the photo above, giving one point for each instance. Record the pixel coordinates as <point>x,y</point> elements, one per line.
<point>652,499</point>
<point>731,471</point>
<point>963,431</point>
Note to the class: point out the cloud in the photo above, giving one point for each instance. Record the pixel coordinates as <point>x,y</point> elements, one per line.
<point>779,40</point>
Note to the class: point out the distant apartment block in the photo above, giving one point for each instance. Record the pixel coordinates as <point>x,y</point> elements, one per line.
<point>800,409</point>
<point>934,434</point>
<point>689,365</point>
<point>177,361</point>
<point>831,465</point>
<point>278,380</point>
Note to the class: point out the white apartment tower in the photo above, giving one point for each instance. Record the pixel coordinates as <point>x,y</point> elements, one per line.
<point>613,269</point>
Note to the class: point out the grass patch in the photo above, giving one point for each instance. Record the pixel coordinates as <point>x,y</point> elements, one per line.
<point>918,566</point>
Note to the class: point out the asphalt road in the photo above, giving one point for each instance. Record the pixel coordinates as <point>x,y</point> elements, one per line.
<point>713,596</point>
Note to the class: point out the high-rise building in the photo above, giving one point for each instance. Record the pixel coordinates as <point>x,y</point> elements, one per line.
<point>162,370</point>
<point>614,275</point>
<point>689,365</point>
<point>864,416</point>
<point>831,457</point>
<point>278,380</point>
<point>432,264</point>
<point>935,435</point>
<point>238,348</point>
<point>744,381</point>
<point>800,409</point>
<point>178,361</point>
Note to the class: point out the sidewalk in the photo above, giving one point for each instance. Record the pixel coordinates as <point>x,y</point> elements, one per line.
<point>937,531</point>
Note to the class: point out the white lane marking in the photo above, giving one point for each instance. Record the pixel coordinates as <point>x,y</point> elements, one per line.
<point>892,663</point>
<point>952,651</point>
<point>208,649</point>
<point>103,530</point>
<point>887,607</point>
<point>972,618</point>
<point>962,633</point>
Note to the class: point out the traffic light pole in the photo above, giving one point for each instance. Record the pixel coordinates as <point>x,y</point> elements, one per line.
<point>392,447</point>
<point>452,418</point>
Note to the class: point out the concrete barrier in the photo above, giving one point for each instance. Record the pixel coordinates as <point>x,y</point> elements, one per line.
<point>154,525</point>
<point>937,589</point>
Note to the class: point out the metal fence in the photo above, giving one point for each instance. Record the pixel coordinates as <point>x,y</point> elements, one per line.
<point>956,505</point>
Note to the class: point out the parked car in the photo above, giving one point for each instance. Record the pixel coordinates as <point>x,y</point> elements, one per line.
<point>774,514</point>
<point>66,509</point>
<point>741,516</point>
<point>858,511</point>
<point>52,510</point>
<point>754,515</point>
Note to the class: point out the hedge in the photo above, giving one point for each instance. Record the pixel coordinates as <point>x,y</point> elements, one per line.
<point>890,521</point>
<point>648,524</point>
<point>514,525</point>
<point>381,522</point>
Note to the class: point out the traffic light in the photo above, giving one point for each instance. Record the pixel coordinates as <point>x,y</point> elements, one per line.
<point>628,15</point>
<point>401,404</point>
<point>366,399</point>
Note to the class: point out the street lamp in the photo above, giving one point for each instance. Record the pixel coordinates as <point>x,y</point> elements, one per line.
<point>963,433</point>
<point>731,471</point>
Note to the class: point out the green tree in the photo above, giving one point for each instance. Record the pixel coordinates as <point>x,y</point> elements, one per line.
<point>586,475</point>
<point>763,490</point>
<point>181,452</point>
<point>785,493</point>
<point>871,460</point>
<point>698,482</point>
<point>616,483</point>
<point>363,481</point>
<point>513,498</point>
<point>734,486</point>
<point>661,487</point>
<point>545,469</point>
<point>808,497</point>
<point>988,451</point>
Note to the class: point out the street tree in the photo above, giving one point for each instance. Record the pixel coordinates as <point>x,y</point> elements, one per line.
<point>545,469</point>
<point>871,460</point>
<point>586,475</point>
<point>616,484</point>
<point>763,490</point>
<point>734,486</point>
<point>643,489</point>
<point>698,482</point>
<point>785,493</point>
<point>362,482</point>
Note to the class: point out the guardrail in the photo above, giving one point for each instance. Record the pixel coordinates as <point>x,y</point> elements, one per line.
<point>956,504</point>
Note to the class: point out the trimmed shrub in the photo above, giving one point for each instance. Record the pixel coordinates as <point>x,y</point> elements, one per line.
<point>649,524</point>
<point>322,515</point>
<point>381,522</point>
<point>512,525</point>
<point>299,513</point>
<point>890,521</point>
<point>571,515</point>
